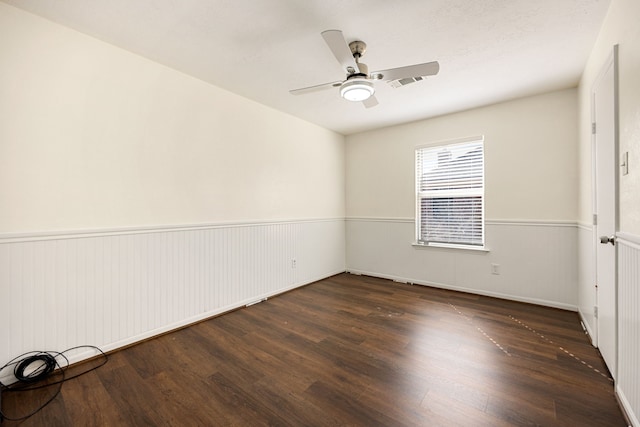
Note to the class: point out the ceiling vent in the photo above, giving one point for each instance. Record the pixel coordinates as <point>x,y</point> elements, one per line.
<point>403,82</point>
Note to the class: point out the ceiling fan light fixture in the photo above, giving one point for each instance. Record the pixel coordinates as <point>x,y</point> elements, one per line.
<point>357,90</point>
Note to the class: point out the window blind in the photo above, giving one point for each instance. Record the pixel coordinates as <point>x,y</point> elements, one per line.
<point>450,193</point>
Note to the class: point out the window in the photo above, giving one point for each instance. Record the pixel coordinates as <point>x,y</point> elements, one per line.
<point>450,194</point>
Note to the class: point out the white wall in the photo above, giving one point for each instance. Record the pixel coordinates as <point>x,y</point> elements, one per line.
<point>531,166</point>
<point>135,199</point>
<point>94,136</point>
<point>531,201</point>
<point>620,27</point>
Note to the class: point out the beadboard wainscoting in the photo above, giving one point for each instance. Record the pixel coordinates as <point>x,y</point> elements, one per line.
<point>536,261</point>
<point>113,288</point>
<point>628,381</point>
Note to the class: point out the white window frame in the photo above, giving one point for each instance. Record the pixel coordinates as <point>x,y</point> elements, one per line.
<point>454,193</point>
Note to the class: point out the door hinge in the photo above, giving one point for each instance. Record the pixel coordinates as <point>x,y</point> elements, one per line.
<point>595,219</point>
<point>593,128</point>
<point>595,311</point>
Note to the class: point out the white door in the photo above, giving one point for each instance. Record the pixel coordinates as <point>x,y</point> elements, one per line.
<point>604,115</point>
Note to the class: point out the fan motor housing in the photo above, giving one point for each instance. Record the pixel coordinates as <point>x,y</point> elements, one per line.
<point>363,72</point>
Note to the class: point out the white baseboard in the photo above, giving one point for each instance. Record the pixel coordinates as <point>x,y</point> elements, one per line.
<point>499,295</point>
<point>587,327</point>
<point>627,408</point>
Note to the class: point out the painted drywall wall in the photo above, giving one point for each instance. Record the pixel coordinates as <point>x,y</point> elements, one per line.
<point>530,155</point>
<point>92,137</point>
<point>620,27</point>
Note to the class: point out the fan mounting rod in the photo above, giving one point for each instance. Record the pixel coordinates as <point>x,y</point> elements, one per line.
<point>358,48</point>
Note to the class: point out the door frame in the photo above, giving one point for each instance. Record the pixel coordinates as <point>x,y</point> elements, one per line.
<point>611,61</point>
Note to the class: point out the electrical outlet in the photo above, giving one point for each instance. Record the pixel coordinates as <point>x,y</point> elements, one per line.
<point>495,268</point>
<point>294,263</point>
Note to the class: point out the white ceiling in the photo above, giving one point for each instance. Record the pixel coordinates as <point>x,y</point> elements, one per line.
<point>489,50</point>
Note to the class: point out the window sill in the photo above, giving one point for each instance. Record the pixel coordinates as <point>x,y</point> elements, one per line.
<point>447,246</point>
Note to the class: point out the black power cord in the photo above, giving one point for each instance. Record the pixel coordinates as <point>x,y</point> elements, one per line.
<point>35,366</point>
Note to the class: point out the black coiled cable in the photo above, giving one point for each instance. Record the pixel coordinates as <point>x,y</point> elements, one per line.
<point>36,366</point>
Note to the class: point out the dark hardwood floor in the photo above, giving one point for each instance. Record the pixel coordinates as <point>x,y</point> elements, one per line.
<point>349,350</point>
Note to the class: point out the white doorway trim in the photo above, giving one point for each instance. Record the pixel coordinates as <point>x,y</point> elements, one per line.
<point>604,119</point>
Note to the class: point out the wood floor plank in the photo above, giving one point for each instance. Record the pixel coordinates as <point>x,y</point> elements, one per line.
<point>89,401</point>
<point>350,350</point>
<point>135,398</point>
<point>453,412</point>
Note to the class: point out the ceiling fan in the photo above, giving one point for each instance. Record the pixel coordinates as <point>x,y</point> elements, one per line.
<point>359,83</point>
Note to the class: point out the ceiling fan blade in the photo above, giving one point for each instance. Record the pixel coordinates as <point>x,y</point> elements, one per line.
<point>340,49</point>
<point>372,101</point>
<point>316,88</point>
<point>417,70</point>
